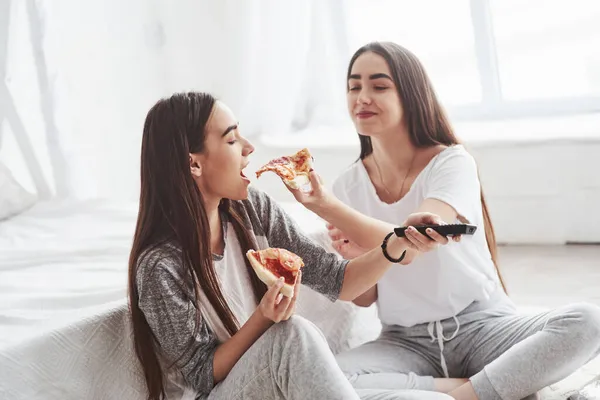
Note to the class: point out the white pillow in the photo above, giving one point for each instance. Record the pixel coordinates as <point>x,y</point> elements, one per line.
<point>14,199</point>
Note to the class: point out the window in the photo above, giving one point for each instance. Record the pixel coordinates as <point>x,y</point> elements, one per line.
<point>443,40</point>
<point>495,58</point>
<point>547,49</point>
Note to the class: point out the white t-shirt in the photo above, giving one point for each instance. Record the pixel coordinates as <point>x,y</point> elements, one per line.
<point>440,283</point>
<point>235,284</point>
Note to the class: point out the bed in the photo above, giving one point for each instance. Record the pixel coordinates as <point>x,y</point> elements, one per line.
<point>63,333</point>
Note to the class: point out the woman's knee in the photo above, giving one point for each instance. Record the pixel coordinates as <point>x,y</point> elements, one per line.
<point>590,316</point>
<point>298,326</point>
<point>297,323</point>
<point>583,320</point>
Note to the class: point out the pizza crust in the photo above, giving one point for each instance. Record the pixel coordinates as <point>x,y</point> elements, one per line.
<point>300,173</point>
<point>298,182</point>
<point>266,276</point>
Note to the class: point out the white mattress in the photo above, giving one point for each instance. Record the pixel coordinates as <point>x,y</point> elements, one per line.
<point>59,262</point>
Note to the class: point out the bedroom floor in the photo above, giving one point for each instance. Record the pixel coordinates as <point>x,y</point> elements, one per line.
<point>551,276</point>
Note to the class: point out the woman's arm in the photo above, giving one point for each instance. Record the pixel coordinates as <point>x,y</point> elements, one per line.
<point>323,271</point>
<point>365,231</point>
<point>437,207</point>
<point>361,229</point>
<point>433,206</point>
<point>367,298</point>
<point>229,353</point>
<point>363,272</point>
<point>272,309</point>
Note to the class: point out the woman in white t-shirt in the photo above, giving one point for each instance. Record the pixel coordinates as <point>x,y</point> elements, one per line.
<point>444,313</point>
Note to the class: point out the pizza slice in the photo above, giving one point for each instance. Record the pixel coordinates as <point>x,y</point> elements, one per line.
<point>294,170</point>
<point>272,263</point>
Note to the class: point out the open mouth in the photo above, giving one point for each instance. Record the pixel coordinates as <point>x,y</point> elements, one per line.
<point>242,174</point>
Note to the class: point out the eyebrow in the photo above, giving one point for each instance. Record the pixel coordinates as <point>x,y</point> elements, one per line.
<point>229,129</point>
<point>374,76</point>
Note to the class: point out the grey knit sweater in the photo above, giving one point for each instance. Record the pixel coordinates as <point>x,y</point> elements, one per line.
<point>166,298</point>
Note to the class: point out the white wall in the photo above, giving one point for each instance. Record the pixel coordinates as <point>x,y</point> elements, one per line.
<point>538,191</point>
<point>540,188</point>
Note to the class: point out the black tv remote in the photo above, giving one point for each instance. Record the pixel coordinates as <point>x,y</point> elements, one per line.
<point>444,230</point>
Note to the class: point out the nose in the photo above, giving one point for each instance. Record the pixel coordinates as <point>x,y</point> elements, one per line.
<point>248,149</point>
<point>363,97</point>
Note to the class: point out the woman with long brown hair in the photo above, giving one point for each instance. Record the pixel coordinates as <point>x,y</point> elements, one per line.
<point>202,320</point>
<point>448,325</point>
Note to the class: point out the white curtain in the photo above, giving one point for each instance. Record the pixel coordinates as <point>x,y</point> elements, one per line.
<point>82,75</point>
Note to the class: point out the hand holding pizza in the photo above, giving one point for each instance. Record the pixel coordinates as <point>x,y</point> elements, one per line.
<point>277,307</point>
<point>299,177</point>
<point>281,271</point>
<point>316,196</point>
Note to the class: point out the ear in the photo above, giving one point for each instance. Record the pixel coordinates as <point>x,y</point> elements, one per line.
<point>195,166</point>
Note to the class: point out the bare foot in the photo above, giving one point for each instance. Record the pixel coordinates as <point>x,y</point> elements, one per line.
<point>446,385</point>
<point>464,392</point>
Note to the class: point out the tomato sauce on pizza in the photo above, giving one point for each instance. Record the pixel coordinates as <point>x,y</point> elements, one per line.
<point>274,265</point>
<point>289,167</point>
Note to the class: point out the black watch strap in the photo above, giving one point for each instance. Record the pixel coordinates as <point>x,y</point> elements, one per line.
<point>385,253</point>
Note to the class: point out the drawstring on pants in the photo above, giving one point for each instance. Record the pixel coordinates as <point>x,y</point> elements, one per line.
<point>439,330</point>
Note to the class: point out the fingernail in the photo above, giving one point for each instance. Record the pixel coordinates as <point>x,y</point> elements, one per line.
<point>346,241</point>
<point>429,230</point>
<point>311,170</point>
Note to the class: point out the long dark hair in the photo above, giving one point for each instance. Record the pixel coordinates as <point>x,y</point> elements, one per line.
<point>424,116</point>
<point>171,209</point>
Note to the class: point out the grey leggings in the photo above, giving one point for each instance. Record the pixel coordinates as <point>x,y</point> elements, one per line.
<point>292,361</point>
<point>507,356</point>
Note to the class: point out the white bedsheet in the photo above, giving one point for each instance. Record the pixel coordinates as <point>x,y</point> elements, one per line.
<point>63,268</point>
<point>60,262</point>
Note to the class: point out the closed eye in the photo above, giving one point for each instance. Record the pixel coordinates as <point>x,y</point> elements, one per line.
<point>232,136</point>
<point>354,88</point>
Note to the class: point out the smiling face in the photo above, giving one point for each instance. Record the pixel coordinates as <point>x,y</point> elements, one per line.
<point>218,168</point>
<point>373,101</point>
